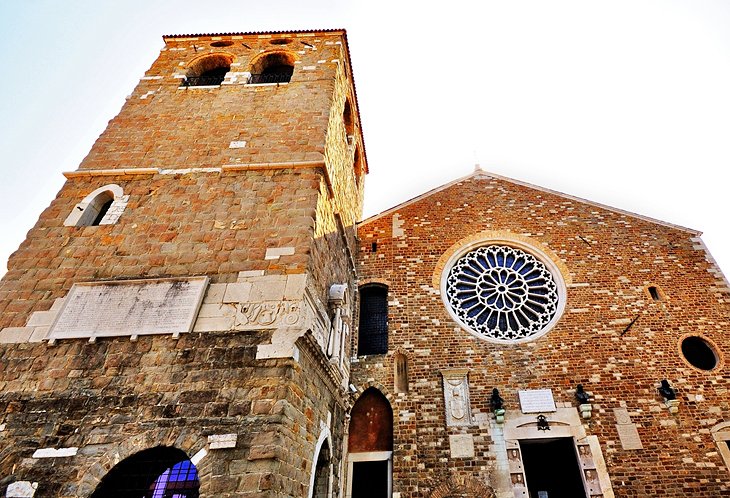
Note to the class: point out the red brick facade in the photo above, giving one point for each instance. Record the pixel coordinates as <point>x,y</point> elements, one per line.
<point>612,337</point>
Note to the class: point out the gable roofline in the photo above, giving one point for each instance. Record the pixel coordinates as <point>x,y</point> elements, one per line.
<point>485,174</point>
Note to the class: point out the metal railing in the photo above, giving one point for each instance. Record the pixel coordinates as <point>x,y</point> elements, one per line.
<point>270,78</point>
<point>203,80</point>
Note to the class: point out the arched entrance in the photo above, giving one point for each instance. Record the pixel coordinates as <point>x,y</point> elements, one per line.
<point>322,472</point>
<point>370,447</point>
<point>161,472</point>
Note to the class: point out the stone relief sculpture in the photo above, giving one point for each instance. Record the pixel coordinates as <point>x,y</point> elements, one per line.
<point>456,398</point>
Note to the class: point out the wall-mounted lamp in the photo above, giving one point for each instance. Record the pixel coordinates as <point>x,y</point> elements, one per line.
<point>669,395</point>
<point>584,406</point>
<point>542,423</point>
<point>496,403</point>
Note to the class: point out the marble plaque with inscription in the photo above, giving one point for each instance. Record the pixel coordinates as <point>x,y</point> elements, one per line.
<point>537,401</point>
<point>129,307</point>
<point>629,437</point>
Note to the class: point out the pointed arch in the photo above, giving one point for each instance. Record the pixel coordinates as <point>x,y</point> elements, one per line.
<point>370,446</point>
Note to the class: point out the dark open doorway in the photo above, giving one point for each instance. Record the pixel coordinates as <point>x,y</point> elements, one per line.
<point>551,466</point>
<point>370,479</point>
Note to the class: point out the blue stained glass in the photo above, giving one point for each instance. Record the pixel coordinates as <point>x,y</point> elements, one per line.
<point>502,292</point>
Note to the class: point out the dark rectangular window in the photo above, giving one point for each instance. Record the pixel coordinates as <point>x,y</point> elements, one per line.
<point>373,329</point>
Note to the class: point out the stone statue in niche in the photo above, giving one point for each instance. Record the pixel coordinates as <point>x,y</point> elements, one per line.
<point>456,398</point>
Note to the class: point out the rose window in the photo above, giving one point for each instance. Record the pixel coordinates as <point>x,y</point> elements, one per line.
<point>502,293</point>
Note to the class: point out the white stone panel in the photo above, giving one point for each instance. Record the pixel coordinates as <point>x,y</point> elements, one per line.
<point>14,335</point>
<point>222,441</point>
<point>55,452</point>
<point>131,307</point>
<point>21,489</point>
<point>461,445</point>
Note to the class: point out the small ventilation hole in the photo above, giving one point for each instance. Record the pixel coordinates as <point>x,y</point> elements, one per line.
<point>654,292</point>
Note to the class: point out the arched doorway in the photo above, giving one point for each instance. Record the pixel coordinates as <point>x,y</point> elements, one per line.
<point>161,472</point>
<point>321,485</point>
<point>370,447</point>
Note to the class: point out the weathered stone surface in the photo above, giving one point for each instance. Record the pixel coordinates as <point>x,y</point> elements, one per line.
<point>21,489</point>
<point>194,206</point>
<point>137,307</point>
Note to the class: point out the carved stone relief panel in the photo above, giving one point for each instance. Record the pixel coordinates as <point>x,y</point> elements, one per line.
<point>268,314</point>
<point>456,397</point>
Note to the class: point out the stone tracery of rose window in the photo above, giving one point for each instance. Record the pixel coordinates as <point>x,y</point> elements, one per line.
<point>501,292</point>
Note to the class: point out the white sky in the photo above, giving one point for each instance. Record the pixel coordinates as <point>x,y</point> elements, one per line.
<point>624,102</point>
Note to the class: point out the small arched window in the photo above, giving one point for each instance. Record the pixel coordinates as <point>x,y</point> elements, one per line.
<point>153,473</point>
<point>273,67</point>
<point>357,166</point>
<point>209,70</point>
<point>349,121</point>
<point>400,373</point>
<point>103,206</point>
<point>373,326</point>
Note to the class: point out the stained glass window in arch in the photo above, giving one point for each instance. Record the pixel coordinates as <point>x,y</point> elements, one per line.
<point>501,292</point>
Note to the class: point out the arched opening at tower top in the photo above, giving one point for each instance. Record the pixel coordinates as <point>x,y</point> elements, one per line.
<point>160,472</point>
<point>209,70</point>
<point>273,67</point>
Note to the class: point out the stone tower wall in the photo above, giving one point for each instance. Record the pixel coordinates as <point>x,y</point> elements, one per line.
<point>251,186</point>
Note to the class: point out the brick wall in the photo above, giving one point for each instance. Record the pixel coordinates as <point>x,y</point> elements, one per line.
<point>607,258</point>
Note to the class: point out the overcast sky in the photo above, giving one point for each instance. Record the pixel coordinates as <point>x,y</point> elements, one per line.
<point>626,103</point>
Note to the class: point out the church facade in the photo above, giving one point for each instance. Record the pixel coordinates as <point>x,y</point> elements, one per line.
<point>201,312</point>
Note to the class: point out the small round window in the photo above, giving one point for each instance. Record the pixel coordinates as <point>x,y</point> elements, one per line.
<point>502,293</point>
<point>699,353</point>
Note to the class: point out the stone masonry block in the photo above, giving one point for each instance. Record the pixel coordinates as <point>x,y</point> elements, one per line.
<point>268,288</point>
<point>295,285</point>
<point>215,293</point>
<point>39,334</point>
<point>221,324</point>
<point>216,311</point>
<point>238,293</point>
<point>57,304</point>
<point>277,252</point>
<point>41,318</point>
<point>11,335</point>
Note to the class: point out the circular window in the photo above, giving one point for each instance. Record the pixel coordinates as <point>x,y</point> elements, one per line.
<point>281,41</point>
<point>221,44</point>
<point>502,293</point>
<point>699,353</point>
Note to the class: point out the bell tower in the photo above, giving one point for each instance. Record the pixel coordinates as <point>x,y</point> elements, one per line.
<point>179,316</point>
